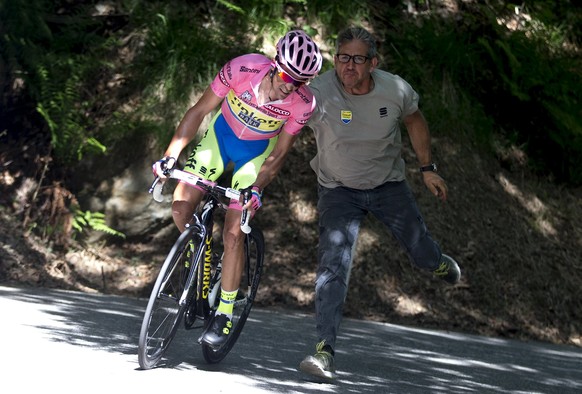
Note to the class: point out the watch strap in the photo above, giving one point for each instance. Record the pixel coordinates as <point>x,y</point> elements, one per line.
<point>431,167</point>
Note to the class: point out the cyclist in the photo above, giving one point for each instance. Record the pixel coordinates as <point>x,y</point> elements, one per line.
<point>264,103</point>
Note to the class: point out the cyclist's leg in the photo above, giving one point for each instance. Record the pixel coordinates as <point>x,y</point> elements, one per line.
<point>206,160</point>
<point>233,240</point>
<point>248,157</point>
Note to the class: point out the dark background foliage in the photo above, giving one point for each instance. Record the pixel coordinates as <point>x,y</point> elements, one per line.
<point>91,87</point>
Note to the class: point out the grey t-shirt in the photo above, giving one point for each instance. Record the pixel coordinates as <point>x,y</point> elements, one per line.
<point>358,137</point>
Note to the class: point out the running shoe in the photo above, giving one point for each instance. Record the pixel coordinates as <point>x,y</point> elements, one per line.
<point>321,364</point>
<point>448,270</point>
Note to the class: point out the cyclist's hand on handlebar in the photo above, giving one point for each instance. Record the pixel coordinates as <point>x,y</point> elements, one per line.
<point>252,195</point>
<point>161,167</point>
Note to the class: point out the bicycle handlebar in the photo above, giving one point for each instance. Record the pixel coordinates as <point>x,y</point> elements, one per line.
<point>193,180</point>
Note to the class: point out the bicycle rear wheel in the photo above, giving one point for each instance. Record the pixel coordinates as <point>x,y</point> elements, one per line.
<point>254,257</point>
<point>163,312</point>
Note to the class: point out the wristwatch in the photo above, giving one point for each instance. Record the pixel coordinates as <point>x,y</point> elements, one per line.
<point>431,167</point>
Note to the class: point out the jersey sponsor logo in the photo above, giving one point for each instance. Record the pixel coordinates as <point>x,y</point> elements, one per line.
<point>229,70</point>
<point>246,96</point>
<point>245,69</point>
<point>383,112</point>
<point>223,78</point>
<point>303,97</point>
<point>278,111</point>
<point>346,116</point>
<point>200,168</point>
<point>251,117</point>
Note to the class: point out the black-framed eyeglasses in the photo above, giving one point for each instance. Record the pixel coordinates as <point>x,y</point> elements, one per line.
<point>345,58</point>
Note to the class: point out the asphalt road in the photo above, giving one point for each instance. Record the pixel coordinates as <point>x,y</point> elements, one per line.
<point>68,342</point>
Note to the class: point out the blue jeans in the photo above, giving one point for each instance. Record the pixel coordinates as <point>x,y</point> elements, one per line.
<point>341,211</point>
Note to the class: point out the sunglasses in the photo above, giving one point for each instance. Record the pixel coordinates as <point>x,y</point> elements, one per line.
<point>287,78</point>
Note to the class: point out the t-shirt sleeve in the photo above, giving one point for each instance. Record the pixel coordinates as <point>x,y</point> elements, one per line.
<point>316,115</point>
<point>409,98</point>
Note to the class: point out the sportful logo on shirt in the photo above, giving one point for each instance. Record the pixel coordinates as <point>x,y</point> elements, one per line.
<point>346,116</point>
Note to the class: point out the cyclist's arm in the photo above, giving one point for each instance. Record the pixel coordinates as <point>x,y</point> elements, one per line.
<point>274,162</point>
<point>191,122</point>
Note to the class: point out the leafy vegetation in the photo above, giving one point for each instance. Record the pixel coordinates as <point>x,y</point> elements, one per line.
<point>87,86</point>
<point>93,220</point>
<point>501,74</point>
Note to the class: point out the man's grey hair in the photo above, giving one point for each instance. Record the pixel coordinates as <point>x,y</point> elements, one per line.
<point>357,33</point>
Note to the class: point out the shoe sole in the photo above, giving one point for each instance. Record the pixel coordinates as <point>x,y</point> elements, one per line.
<point>311,367</point>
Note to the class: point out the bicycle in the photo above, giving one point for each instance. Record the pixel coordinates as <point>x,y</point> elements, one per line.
<point>188,284</point>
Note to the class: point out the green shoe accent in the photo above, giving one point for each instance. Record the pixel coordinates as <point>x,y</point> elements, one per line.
<point>448,270</point>
<point>320,365</point>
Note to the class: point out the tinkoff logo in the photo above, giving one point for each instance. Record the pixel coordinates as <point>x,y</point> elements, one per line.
<point>346,116</point>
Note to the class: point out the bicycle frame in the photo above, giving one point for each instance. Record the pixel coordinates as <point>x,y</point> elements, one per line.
<point>189,280</point>
<point>202,224</point>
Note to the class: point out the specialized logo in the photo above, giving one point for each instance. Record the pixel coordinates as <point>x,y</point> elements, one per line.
<point>251,117</point>
<point>206,172</point>
<point>383,112</point>
<point>207,264</point>
<point>193,166</point>
<point>346,116</point>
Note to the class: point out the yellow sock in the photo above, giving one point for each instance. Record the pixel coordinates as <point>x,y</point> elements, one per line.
<point>226,302</point>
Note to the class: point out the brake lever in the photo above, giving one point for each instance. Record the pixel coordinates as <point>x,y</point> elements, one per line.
<point>245,217</point>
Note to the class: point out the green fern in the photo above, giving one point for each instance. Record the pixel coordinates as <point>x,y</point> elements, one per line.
<point>94,221</point>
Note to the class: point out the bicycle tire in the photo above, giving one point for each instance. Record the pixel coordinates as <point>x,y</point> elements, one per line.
<point>254,259</point>
<point>163,312</point>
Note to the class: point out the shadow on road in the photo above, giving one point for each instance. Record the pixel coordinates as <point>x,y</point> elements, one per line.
<point>371,357</point>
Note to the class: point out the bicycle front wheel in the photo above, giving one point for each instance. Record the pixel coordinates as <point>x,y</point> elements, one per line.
<point>254,258</point>
<point>163,312</point>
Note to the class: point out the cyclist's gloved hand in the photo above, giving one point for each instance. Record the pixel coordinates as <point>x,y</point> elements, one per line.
<point>253,194</point>
<point>161,167</point>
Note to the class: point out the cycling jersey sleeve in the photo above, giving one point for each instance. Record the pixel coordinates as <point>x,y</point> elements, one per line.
<point>224,80</point>
<point>302,112</point>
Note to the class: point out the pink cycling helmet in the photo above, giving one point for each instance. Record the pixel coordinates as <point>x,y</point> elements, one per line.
<point>299,54</point>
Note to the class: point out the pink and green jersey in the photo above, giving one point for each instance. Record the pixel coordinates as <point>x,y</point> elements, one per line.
<point>238,82</point>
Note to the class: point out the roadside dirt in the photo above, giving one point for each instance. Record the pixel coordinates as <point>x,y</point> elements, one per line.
<point>518,240</point>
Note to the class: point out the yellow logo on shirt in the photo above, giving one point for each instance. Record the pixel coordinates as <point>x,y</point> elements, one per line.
<point>346,116</point>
